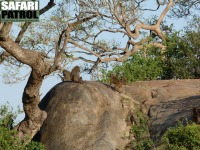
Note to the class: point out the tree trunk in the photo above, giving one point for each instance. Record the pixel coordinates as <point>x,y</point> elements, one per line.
<point>34,117</point>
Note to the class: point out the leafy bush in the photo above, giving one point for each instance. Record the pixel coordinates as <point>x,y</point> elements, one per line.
<point>138,67</point>
<point>175,138</point>
<point>140,132</point>
<point>8,136</point>
<point>182,137</point>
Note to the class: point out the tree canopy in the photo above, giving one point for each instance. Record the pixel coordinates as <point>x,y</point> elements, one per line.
<point>180,60</point>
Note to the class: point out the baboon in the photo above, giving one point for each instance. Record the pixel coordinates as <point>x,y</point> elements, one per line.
<point>196,115</point>
<point>66,75</point>
<point>114,79</point>
<point>75,75</point>
<point>118,83</point>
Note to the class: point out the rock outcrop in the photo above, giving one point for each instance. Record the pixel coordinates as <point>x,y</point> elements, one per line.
<point>84,116</point>
<point>94,116</point>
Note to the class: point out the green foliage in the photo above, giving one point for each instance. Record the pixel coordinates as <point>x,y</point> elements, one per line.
<point>139,67</point>
<point>140,132</point>
<point>8,136</point>
<point>181,59</point>
<point>182,138</point>
<point>34,146</point>
<point>182,56</point>
<point>175,138</point>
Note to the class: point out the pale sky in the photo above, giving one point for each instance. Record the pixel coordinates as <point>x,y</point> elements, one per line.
<point>13,93</point>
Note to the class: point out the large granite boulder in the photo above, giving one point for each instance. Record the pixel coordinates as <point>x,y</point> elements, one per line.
<point>94,116</point>
<point>84,116</point>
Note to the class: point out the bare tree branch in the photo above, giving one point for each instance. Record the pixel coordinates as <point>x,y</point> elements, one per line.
<point>60,51</point>
<point>83,59</point>
<point>5,30</point>
<point>84,48</point>
<point>26,24</point>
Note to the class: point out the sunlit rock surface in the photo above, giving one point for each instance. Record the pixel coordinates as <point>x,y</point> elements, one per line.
<point>94,116</point>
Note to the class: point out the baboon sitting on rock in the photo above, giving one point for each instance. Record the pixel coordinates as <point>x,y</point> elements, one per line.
<point>118,83</point>
<point>73,76</point>
<point>66,75</point>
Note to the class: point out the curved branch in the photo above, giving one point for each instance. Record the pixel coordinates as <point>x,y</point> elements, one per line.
<point>83,59</point>
<point>47,7</point>
<point>156,28</point>
<point>112,31</point>
<point>25,56</point>
<point>22,32</point>
<point>163,14</point>
<point>84,48</point>
<point>26,24</point>
<point>80,52</point>
<point>5,30</point>
<point>60,51</point>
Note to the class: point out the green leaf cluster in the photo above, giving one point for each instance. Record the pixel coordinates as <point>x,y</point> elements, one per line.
<point>140,132</point>
<point>182,56</point>
<point>139,67</point>
<point>181,59</point>
<point>182,137</point>
<point>8,136</point>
